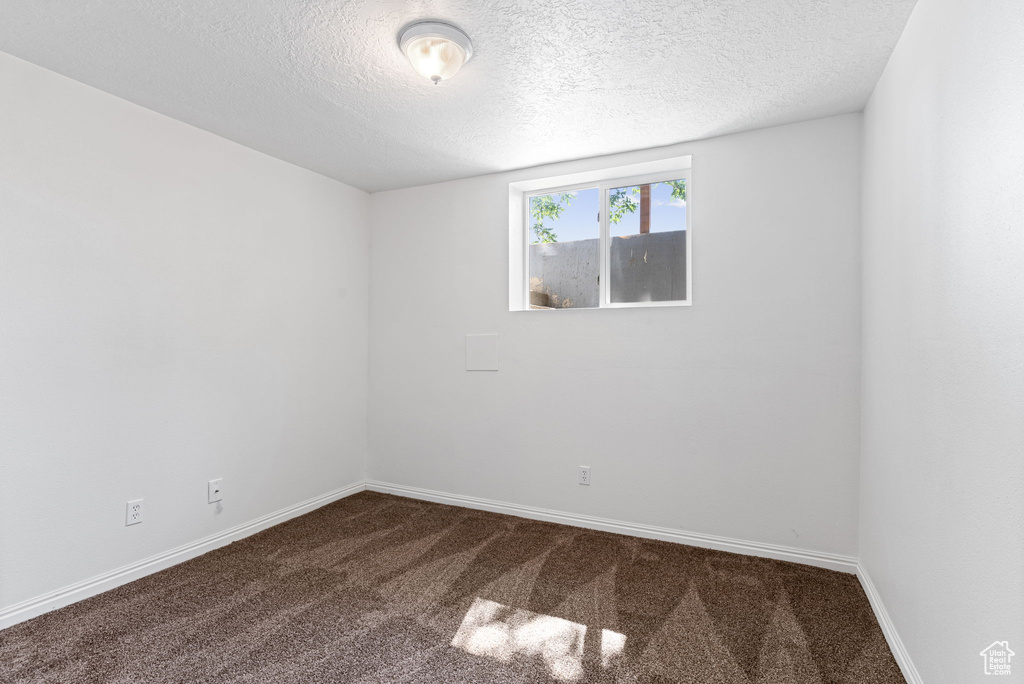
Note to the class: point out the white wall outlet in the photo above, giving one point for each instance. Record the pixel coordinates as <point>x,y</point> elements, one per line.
<point>584,475</point>
<point>133,512</point>
<point>216,490</point>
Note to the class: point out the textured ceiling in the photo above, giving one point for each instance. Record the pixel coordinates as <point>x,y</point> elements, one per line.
<point>323,84</point>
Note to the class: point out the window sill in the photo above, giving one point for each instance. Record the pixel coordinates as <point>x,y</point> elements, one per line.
<point>636,305</point>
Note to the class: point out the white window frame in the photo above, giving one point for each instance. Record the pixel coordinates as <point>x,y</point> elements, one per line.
<point>604,181</point>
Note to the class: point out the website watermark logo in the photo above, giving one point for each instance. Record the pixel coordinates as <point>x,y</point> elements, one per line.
<point>997,658</point>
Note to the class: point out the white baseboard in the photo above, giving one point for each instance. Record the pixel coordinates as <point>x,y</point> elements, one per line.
<point>899,651</point>
<point>25,610</point>
<point>820,559</point>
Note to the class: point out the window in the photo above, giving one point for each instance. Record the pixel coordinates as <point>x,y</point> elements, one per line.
<point>602,242</point>
<point>564,250</point>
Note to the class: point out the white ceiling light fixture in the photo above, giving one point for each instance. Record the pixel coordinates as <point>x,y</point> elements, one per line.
<point>436,50</point>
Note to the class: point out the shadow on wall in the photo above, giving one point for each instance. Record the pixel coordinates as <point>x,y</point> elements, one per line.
<point>643,268</point>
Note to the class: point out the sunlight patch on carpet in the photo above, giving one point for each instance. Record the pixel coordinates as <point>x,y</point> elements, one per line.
<point>501,632</point>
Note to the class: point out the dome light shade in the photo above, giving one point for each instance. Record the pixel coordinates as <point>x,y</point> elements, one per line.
<point>435,50</point>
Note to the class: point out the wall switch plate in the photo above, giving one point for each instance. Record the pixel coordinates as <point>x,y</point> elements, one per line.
<point>133,512</point>
<point>216,490</point>
<point>584,475</point>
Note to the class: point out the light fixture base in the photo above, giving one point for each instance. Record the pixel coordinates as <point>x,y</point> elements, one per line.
<point>435,29</point>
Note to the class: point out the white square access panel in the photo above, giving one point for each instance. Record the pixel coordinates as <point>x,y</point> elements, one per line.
<point>481,352</point>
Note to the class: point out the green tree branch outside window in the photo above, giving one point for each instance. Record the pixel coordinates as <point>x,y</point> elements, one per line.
<point>621,201</point>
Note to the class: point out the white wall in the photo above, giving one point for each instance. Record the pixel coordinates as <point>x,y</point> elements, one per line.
<point>942,503</point>
<point>173,308</point>
<point>738,416</point>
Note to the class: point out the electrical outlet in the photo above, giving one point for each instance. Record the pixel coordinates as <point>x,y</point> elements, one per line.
<point>216,490</point>
<point>584,475</point>
<point>133,512</point>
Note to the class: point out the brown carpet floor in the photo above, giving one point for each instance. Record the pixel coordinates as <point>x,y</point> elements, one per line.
<point>378,588</point>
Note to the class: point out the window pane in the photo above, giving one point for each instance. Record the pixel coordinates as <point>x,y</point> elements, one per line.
<point>565,252</point>
<point>647,226</point>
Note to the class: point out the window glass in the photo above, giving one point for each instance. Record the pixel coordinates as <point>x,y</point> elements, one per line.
<point>565,249</point>
<point>647,227</point>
